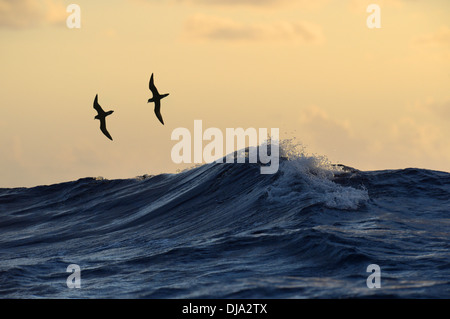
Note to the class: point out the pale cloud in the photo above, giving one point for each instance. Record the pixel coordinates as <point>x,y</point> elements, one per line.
<point>238,2</point>
<point>418,138</point>
<point>305,4</point>
<point>21,163</point>
<point>19,14</point>
<point>17,150</point>
<point>414,138</point>
<point>330,136</point>
<point>359,6</point>
<point>433,46</point>
<point>432,109</point>
<point>422,132</point>
<point>437,38</point>
<point>442,110</point>
<point>215,28</point>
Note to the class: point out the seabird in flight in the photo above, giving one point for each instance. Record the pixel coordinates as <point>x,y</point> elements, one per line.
<point>157,99</point>
<point>102,117</point>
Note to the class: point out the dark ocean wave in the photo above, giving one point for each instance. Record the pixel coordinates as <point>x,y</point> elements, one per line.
<point>227,231</point>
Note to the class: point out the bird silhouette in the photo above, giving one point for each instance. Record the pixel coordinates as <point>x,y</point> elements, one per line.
<point>101,116</point>
<point>156,99</point>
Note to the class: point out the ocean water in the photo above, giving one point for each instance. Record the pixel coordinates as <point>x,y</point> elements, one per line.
<point>227,231</point>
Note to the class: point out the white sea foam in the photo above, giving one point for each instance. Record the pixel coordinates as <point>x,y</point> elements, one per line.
<point>307,177</point>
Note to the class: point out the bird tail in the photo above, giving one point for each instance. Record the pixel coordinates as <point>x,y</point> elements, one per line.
<point>164,95</point>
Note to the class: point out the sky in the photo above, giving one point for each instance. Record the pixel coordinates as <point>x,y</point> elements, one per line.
<point>369,98</point>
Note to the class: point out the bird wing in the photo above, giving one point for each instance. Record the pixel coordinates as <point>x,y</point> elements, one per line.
<point>103,128</point>
<point>97,106</point>
<point>158,111</point>
<point>152,87</point>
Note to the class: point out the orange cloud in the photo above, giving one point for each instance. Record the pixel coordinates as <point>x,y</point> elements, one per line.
<point>239,2</point>
<point>215,28</point>
<point>19,14</point>
<point>268,4</point>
